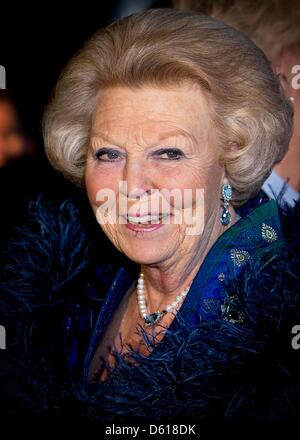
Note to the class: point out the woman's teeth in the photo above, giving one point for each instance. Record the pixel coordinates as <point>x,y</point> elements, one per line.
<point>146,219</point>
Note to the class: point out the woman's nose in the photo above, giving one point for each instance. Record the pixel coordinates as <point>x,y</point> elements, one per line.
<point>137,179</point>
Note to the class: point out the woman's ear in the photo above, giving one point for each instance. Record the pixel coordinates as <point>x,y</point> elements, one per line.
<point>232,145</point>
<point>224,179</point>
<point>282,67</point>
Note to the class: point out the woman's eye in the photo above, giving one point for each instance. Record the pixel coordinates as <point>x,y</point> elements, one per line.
<point>169,153</point>
<point>107,155</point>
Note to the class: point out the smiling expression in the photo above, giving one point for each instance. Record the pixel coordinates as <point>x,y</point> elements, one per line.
<point>153,138</point>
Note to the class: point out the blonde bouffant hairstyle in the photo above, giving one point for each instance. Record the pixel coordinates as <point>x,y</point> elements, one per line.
<point>163,47</point>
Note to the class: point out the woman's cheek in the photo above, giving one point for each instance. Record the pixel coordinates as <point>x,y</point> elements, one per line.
<point>90,183</point>
<point>94,183</point>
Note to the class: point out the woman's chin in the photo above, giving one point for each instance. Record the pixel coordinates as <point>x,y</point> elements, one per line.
<point>145,254</point>
<point>145,245</point>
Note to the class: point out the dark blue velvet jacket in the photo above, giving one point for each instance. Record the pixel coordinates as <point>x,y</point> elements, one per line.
<point>226,356</point>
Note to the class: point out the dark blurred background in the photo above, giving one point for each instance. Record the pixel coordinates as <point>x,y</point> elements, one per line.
<point>36,42</point>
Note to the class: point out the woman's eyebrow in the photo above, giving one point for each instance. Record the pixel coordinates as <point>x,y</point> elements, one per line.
<point>178,132</point>
<point>100,136</point>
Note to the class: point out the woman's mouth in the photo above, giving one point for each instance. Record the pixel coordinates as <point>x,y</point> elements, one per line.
<point>146,219</point>
<point>146,222</point>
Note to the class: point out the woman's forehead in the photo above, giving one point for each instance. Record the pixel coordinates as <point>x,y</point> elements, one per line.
<point>175,111</point>
<point>151,98</point>
<point>159,134</point>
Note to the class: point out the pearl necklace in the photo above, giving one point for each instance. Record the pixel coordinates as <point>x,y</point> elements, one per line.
<point>153,318</point>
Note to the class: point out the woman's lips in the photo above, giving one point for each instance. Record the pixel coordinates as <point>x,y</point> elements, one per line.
<point>143,228</point>
<point>146,222</point>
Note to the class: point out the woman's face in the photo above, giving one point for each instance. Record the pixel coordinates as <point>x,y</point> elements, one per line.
<point>157,140</point>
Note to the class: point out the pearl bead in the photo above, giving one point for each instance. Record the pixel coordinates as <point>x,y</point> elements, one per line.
<point>142,302</point>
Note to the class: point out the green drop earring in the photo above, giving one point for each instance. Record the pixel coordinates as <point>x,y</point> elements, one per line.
<point>225,217</point>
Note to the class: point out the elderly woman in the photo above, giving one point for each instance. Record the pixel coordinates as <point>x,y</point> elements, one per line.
<point>172,121</point>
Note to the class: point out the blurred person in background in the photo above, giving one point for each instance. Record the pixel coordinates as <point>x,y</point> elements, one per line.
<point>24,171</point>
<point>13,142</point>
<point>274,26</point>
